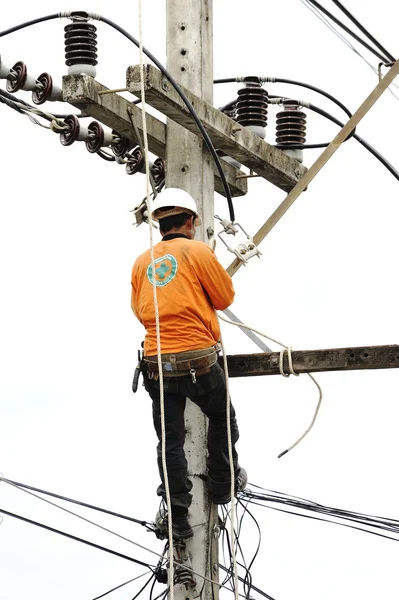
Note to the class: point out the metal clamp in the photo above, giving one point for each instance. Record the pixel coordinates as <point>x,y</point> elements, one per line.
<point>140,213</point>
<point>245,250</point>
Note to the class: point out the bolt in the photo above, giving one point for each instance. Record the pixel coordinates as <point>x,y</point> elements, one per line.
<point>274,360</point>
<point>164,85</point>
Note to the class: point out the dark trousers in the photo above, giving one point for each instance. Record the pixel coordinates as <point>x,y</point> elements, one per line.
<point>209,393</point>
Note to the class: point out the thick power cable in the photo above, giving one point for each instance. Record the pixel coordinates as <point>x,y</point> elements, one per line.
<point>190,108</point>
<point>156,308</point>
<point>82,518</point>
<point>74,537</point>
<point>352,33</point>
<point>330,26</point>
<point>261,592</point>
<point>363,30</point>
<point>91,506</point>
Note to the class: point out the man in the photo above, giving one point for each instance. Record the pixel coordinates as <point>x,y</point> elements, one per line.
<point>191,284</point>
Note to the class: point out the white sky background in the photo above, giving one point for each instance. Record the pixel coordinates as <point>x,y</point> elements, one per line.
<point>68,340</point>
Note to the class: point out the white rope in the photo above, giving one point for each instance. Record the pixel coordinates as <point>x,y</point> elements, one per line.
<point>154,287</point>
<point>232,474</point>
<point>290,366</point>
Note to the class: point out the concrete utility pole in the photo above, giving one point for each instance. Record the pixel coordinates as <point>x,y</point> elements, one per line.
<point>189,51</point>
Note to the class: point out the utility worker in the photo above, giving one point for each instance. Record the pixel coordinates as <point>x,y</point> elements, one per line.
<point>191,284</point>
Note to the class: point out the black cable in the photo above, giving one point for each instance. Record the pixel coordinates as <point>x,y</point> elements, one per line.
<point>361,141</point>
<point>73,537</point>
<point>261,592</point>
<point>325,114</point>
<point>105,156</point>
<point>144,586</point>
<point>53,495</point>
<point>169,77</point>
<point>118,587</point>
<point>345,28</point>
<point>28,23</point>
<point>363,29</point>
<point>290,82</point>
<point>385,524</point>
<point>189,106</point>
<point>259,540</point>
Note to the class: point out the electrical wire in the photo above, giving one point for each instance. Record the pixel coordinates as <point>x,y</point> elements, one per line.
<point>363,30</point>
<point>327,115</point>
<point>327,23</point>
<point>168,76</point>
<point>190,108</point>
<point>74,537</point>
<point>290,82</point>
<point>86,520</point>
<point>374,523</point>
<point>118,587</point>
<point>91,506</point>
<point>345,28</point>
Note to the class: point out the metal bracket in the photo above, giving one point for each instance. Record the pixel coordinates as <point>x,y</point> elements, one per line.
<point>140,214</point>
<point>245,250</point>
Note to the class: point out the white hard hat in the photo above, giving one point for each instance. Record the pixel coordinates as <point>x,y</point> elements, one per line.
<point>179,202</point>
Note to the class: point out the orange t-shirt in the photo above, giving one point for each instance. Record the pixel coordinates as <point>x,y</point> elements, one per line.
<point>191,284</point>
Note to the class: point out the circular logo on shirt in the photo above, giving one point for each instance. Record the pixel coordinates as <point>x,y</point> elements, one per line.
<point>165,270</point>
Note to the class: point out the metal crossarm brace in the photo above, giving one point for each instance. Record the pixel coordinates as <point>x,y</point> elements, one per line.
<point>226,135</point>
<point>116,112</point>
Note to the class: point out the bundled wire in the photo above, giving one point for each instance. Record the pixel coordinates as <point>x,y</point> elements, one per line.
<point>383,57</point>
<point>286,503</point>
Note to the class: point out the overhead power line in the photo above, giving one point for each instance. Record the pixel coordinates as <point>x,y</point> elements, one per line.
<point>363,30</point>
<point>382,57</point>
<point>75,538</point>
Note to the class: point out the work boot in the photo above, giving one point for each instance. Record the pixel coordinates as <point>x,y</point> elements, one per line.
<point>181,528</point>
<point>239,486</point>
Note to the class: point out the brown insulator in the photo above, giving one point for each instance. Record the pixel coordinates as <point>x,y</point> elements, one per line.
<point>18,82</point>
<point>252,101</point>
<point>290,126</point>
<point>158,171</point>
<point>97,137</point>
<point>80,41</point>
<point>136,162</point>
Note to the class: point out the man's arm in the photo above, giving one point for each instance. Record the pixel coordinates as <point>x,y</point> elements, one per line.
<point>214,279</point>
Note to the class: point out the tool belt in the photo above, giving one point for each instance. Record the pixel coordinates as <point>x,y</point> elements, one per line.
<point>180,364</point>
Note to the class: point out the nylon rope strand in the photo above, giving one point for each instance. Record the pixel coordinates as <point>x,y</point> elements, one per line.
<point>288,349</point>
<point>154,287</point>
<point>232,474</point>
